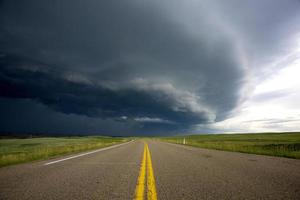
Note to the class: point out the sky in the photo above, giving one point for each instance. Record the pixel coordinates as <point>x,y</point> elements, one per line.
<point>138,67</point>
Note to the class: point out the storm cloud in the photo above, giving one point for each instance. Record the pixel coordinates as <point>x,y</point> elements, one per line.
<point>155,66</point>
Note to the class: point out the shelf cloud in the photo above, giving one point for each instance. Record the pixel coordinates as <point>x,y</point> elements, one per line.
<point>150,66</point>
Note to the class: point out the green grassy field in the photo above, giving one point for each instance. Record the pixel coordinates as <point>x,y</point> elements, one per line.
<point>274,144</point>
<point>14,151</point>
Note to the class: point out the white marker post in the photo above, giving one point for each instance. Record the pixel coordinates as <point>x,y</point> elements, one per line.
<point>183,140</point>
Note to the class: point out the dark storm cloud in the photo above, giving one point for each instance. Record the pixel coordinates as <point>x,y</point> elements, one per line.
<point>73,95</point>
<point>29,116</point>
<point>157,65</point>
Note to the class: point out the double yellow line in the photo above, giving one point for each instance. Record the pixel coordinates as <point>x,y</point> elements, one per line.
<point>146,166</point>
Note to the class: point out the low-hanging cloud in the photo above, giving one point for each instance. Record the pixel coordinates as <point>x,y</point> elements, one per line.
<point>76,95</point>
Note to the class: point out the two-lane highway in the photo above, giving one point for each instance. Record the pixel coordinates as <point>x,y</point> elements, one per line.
<point>171,171</point>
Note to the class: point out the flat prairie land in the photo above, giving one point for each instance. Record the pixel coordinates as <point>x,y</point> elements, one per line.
<point>13,151</point>
<point>273,144</point>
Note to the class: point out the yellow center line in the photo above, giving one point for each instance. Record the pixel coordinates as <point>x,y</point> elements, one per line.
<point>151,194</point>
<point>146,165</point>
<point>140,186</point>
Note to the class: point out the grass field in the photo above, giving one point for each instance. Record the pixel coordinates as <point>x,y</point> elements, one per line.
<point>274,144</point>
<point>14,151</point>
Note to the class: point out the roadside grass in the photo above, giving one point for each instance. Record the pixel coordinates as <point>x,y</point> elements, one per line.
<point>13,151</point>
<point>273,144</point>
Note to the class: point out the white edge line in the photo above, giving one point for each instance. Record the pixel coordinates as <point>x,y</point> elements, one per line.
<point>84,154</point>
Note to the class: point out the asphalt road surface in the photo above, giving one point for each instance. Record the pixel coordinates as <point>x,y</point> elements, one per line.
<point>154,170</point>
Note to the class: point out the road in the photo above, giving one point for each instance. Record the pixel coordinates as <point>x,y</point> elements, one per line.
<point>139,169</point>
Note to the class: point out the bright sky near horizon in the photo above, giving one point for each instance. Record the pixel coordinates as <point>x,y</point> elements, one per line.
<point>273,106</point>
